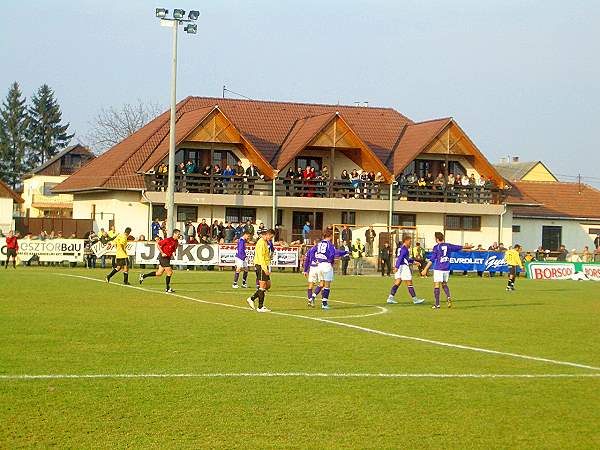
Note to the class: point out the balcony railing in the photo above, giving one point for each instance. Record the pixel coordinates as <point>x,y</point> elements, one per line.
<point>52,199</point>
<point>325,188</point>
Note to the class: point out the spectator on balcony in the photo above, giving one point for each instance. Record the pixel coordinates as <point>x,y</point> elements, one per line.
<point>253,174</point>
<point>162,172</point>
<point>355,182</point>
<point>370,235</point>
<point>190,167</point>
<point>346,184</point>
<point>439,182</point>
<point>249,228</point>
<point>203,229</point>
<point>228,174</point>
<point>290,176</point>
<point>323,177</point>
<point>358,252</point>
<point>450,180</point>
<point>207,171</point>
<point>429,178</point>
<point>306,233</point>
<point>379,182</point>
<point>308,176</point>
<point>365,182</point>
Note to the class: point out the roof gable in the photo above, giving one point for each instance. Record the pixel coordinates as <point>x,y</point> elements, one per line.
<point>7,192</point>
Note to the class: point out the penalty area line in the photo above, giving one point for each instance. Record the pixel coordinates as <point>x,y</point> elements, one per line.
<point>359,328</point>
<point>297,375</point>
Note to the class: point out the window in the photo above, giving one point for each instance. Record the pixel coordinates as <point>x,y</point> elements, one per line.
<point>404,220</point>
<point>304,161</point>
<point>48,189</point>
<point>463,223</point>
<point>238,215</point>
<point>201,157</point>
<point>279,217</point>
<point>159,212</point>
<point>516,228</point>
<point>349,217</point>
<point>594,231</point>
<point>185,213</point>
<point>551,237</point>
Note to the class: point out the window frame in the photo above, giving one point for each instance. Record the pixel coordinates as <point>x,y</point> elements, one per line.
<point>397,222</point>
<point>240,215</point>
<point>193,218</point>
<point>461,220</point>
<point>348,217</point>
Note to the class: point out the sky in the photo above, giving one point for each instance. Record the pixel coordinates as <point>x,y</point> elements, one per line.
<point>521,77</point>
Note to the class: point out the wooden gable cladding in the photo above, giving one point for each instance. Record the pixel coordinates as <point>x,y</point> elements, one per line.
<point>338,135</point>
<point>216,128</point>
<point>452,140</point>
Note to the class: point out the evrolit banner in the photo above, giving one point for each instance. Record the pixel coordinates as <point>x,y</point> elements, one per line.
<point>49,250</point>
<point>478,262</point>
<point>563,271</point>
<point>282,257</point>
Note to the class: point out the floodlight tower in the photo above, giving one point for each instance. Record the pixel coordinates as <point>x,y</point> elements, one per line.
<point>190,28</point>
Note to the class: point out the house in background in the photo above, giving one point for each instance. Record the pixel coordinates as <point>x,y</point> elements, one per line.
<point>551,214</point>
<point>10,203</point>
<point>39,199</point>
<point>512,169</point>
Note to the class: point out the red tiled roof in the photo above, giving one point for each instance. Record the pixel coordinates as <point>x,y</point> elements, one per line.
<point>555,199</point>
<point>303,131</point>
<point>414,139</point>
<point>7,192</point>
<point>274,129</point>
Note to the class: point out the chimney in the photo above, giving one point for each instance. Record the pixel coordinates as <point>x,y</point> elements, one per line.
<point>515,159</point>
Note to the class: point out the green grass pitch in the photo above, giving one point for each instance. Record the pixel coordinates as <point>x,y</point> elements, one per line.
<point>63,325</point>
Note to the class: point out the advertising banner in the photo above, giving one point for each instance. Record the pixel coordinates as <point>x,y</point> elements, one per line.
<point>478,262</point>
<point>563,271</point>
<point>50,250</point>
<point>99,249</point>
<point>282,257</point>
<point>186,254</point>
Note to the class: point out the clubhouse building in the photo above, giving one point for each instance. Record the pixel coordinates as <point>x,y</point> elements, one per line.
<point>373,166</point>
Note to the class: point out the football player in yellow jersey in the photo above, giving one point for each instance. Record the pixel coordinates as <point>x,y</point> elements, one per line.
<point>262,266</point>
<point>513,259</point>
<point>122,259</point>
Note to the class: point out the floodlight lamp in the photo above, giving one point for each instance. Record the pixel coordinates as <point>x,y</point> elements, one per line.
<point>161,13</point>
<point>191,28</point>
<point>178,13</point>
<point>193,15</point>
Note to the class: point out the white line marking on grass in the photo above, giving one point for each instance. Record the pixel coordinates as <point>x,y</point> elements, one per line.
<point>359,328</point>
<point>382,309</point>
<point>296,375</point>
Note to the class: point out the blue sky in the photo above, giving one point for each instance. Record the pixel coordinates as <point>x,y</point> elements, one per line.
<point>521,77</point>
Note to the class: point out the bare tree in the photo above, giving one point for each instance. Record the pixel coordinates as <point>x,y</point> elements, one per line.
<point>112,125</point>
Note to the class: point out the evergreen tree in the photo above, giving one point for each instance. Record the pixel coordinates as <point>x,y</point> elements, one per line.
<point>47,136</point>
<point>14,122</point>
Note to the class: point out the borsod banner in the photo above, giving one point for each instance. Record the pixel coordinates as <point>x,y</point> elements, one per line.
<point>51,250</point>
<point>478,262</point>
<point>282,257</point>
<point>563,271</point>
<point>186,254</point>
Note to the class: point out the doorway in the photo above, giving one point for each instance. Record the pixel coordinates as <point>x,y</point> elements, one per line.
<point>299,218</point>
<point>551,237</point>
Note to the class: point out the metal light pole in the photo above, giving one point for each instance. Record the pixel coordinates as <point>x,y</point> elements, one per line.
<point>174,22</point>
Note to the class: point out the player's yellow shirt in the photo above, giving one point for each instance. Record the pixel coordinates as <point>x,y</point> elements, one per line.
<point>512,258</point>
<point>121,244</point>
<point>262,254</point>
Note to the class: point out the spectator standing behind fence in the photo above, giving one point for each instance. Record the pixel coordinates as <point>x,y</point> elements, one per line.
<point>229,233</point>
<point>586,255</point>
<point>203,229</point>
<point>417,253</point>
<point>239,230</point>
<point>306,233</point>
<point>370,239</point>
<point>358,252</point>
<point>249,228</point>
<point>346,258</point>
<point>385,259</point>
<point>91,256</point>
<point>597,241</point>
<point>562,253</point>
<point>346,234</point>
<point>155,228</point>
<point>189,231</point>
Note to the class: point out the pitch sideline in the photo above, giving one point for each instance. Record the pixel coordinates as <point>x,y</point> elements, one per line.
<point>357,327</point>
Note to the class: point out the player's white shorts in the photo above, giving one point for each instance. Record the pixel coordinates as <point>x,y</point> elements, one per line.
<point>403,273</point>
<point>241,264</point>
<point>313,275</point>
<point>441,276</point>
<point>325,271</point>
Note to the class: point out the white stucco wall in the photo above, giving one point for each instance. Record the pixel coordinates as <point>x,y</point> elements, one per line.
<point>575,234</point>
<point>6,214</point>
